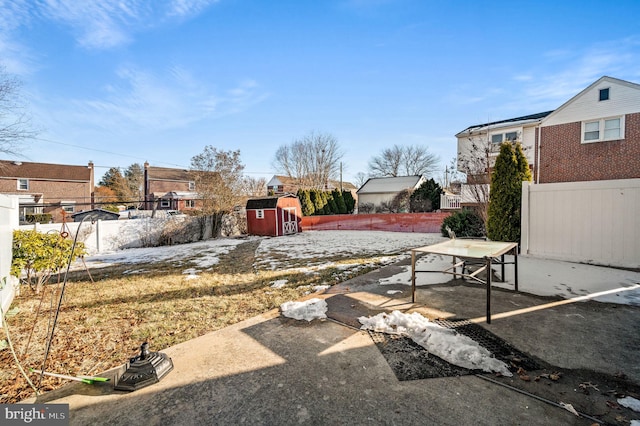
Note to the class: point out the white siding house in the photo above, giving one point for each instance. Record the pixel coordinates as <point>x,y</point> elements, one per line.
<point>377,191</point>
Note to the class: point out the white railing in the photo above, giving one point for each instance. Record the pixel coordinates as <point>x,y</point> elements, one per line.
<point>450,202</point>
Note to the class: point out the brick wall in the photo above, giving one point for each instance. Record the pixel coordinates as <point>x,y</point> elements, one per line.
<point>53,192</point>
<point>565,159</point>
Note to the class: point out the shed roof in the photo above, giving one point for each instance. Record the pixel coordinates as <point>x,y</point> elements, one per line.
<point>96,212</point>
<point>389,184</point>
<point>265,202</point>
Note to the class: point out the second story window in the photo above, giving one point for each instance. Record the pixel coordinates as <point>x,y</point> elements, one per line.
<point>192,186</point>
<point>604,94</point>
<point>23,184</point>
<point>608,129</point>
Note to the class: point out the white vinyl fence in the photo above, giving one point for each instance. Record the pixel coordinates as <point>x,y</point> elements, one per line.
<point>109,235</point>
<point>590,222</point>
<point>8,222</point>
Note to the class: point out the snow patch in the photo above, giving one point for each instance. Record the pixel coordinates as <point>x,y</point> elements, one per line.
<point>443,342</point>
<point>630,402</point>
<point>308,310</point>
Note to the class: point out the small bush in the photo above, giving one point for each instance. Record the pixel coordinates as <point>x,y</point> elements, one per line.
<point>465,223</point>
<point>37,256</point>
<point>38,218</point>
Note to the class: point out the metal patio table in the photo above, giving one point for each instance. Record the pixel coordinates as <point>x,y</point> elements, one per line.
<point>466,253</point>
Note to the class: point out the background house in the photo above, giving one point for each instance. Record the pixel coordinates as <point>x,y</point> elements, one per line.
<point>169,189</point>
<point>377,191</point>
<point>280,185</point>
<point>274,216</point>
<point>56,189</point>
<point>479,146</point>
<point>593,136</point>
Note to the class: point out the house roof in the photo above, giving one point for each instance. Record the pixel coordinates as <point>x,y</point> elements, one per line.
<point>595,83</point>
<point>265,202</point>
<point>60,172</point>
<point>531,118</point>
<point>389,184</point>
<point>164,173</point>
<point>287,180</point>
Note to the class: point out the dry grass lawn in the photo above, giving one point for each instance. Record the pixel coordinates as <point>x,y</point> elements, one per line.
<point>101,324</point>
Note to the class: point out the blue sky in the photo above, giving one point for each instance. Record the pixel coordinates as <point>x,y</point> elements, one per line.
<point>123,81</point>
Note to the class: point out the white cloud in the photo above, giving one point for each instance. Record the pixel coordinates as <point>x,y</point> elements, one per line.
<point>96,24</point>
<point>14,55</point>
<point>142,100</point>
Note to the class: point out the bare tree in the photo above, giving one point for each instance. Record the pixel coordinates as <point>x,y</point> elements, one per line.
<point>360,179</point>
<point>313,160</point>
<point>254,187</point>
<point>15,123</point>
<point>219,183</point>
<point>476,159</point>
<point>387,163</point>
<point>411,160</point>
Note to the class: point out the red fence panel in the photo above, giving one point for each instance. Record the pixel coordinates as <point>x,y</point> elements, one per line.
<point>395,222</point>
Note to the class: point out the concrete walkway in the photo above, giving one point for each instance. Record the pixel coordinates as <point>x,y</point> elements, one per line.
<point>278,371</point>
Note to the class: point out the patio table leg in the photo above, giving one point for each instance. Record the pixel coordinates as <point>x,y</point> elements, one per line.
<point>488,290</point>
<point>413,276</point>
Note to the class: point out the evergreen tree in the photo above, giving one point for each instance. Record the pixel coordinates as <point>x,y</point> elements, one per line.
<point>316,199</point>
<point>331,203</point>
<point>305,201</point>
<point>337,196</point>
<point>510,170</point>
<point>426,197</point>
<point>349,201</point>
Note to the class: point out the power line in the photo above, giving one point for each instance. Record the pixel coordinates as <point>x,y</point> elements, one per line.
<point>182,166</point>
<point>108,152</point>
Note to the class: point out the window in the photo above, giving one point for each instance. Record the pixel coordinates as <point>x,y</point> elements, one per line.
<point>189,203</point>
<point>68,206</point>
<point>260,214</point>
<point>499,138</point>
<point>604,94</point>
<point>607,129</point>
<point>165,204</point>
<point>192,186</point>
<point>511,136</point>
<point>23,184</point>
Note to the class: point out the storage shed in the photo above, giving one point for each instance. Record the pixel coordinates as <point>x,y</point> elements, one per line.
<point>274,216</point>
<point>95,214</point>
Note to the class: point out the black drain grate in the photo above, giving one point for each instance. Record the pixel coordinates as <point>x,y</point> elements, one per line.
<point>410,361</point>
<point>499,348</point>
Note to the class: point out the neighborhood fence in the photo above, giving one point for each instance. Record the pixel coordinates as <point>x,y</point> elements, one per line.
<point>590,222</point>
<point>8,221</point>
<point>396,222</point>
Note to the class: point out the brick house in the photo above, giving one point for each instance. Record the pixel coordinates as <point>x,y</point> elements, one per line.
<point>169,189</point>
<point>56,189</point>
<point>593,136</point>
